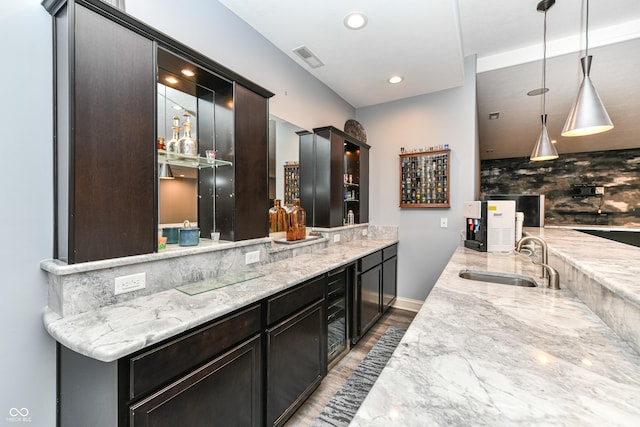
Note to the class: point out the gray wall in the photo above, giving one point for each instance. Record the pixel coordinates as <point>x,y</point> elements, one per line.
<point>27,360</point>
<point>446,117</point>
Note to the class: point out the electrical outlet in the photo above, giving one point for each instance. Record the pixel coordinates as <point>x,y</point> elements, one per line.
<point>443,222</point>
<point>336,238</point>
<point>364,231</point>
<point>130,283</point>
<point>599,190</point>
<point>252,257</point>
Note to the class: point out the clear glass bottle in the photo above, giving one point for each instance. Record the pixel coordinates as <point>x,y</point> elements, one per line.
<point>351,218</point>
<point>187,145</point>
<point>172,145</point>
<point>277,218</point>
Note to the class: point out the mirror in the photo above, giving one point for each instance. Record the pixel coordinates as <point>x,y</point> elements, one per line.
<point>283,157</point>
<point>177,194</point>
<point>186,97</point>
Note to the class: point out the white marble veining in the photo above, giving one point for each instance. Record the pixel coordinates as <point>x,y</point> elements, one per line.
<point>119,329</point>
<point>603,274</point>
<point>88,286</point>
<point>487,354</point>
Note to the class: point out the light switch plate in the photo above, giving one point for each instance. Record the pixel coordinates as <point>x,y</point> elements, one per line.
<point>364,231</point>
<point>444,222</point>
<point>336,238</point>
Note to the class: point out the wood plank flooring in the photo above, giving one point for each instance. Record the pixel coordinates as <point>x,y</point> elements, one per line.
<point>337,376</point>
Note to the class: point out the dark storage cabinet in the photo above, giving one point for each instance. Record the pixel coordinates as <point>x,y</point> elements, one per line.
<point>212,375</point>
<point>334,177</point>
<point>374,291</point>
<point>225,391</point>
<point>105,137</point>
<point>296,348</point>
<point>389,276</point>
<point>106,187</point>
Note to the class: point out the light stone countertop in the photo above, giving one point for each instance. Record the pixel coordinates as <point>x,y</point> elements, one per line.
<point>486,354</point>
<point>112,332</point>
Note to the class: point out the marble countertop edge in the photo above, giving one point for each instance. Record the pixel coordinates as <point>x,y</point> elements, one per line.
<point>115,331</point>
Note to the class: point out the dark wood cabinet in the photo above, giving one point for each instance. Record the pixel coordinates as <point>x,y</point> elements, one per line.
<point>296,355</point>
<point>375,289</point>
<point>106,187</point>
<point>104,138</point>
<point>389,276</point>
<point>334,177</point>
<point>225,391</point>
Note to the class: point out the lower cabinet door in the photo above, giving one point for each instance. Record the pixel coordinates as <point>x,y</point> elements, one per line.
<point>369,303</point>
<point>389,282</point>
<point>296,361</point>
<point>223,392</point>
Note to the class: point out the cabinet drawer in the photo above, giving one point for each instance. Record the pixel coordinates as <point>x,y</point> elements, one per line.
<point>367,262</point>
<point>389,252</point>
<point>166,362</point>
<point>281,305</point>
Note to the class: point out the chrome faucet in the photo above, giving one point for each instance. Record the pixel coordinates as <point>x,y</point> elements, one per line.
<point>545,251</point>
<point>547,271</point>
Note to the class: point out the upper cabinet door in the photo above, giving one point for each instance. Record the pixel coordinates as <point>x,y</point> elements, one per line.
<point>112,188</point>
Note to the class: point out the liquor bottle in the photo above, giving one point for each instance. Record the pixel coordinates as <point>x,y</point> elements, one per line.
<point>172,145</point>
<point>277,217</point>
<point>187,145</point>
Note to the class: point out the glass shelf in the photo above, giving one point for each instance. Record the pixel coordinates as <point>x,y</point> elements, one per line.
<point>189,161</point>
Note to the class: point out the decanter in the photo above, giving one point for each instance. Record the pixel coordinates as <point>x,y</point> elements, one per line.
<point>277,218</point>
<point>187,145</point>
<point>172,145</point>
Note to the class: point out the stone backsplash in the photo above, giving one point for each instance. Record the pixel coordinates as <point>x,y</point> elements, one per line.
<point>618,171</point>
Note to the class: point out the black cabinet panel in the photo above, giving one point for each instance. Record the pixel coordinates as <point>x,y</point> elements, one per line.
<point>369,298</point>
<point>112,142</point>
<point>224,392</point>
<point>155,367</point>
<point>296,361</point>
<point>389,282</point>
<point>326,155</point>
<point>285,303</point>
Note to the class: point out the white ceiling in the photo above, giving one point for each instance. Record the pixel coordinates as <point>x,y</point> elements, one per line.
<point>426,41</point>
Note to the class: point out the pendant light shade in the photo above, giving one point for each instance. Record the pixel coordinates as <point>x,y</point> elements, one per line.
<point>544,148</point>
<point>588,115</point>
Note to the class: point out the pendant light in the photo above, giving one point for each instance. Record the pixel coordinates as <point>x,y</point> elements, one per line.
<point>544,148</point>
<point>588,115</point>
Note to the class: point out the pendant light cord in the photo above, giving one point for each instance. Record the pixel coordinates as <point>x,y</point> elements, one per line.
<point>544,65</point>
<point>586,36</point>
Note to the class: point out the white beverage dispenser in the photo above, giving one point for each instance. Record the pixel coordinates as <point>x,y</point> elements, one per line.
<point>490,225</point>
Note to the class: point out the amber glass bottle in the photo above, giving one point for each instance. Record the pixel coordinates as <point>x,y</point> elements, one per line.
<point>277,218</point>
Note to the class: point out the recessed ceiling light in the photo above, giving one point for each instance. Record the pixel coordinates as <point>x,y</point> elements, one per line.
<point>355,20</point>
<point>187,72</point>
<point>171,80</point>
<point>394,80</point>
<point>553,141</point>
<point>177,107</point>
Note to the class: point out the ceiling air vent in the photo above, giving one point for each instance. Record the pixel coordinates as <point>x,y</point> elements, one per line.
<point>307,56</point>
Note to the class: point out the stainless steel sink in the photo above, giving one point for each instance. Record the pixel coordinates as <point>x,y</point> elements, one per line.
<point>498,277</point>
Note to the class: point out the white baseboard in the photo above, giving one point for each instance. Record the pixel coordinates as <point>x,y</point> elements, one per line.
<point>408,304</point>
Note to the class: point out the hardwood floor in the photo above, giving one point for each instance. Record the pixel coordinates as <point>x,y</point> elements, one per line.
<point>337,376</point>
